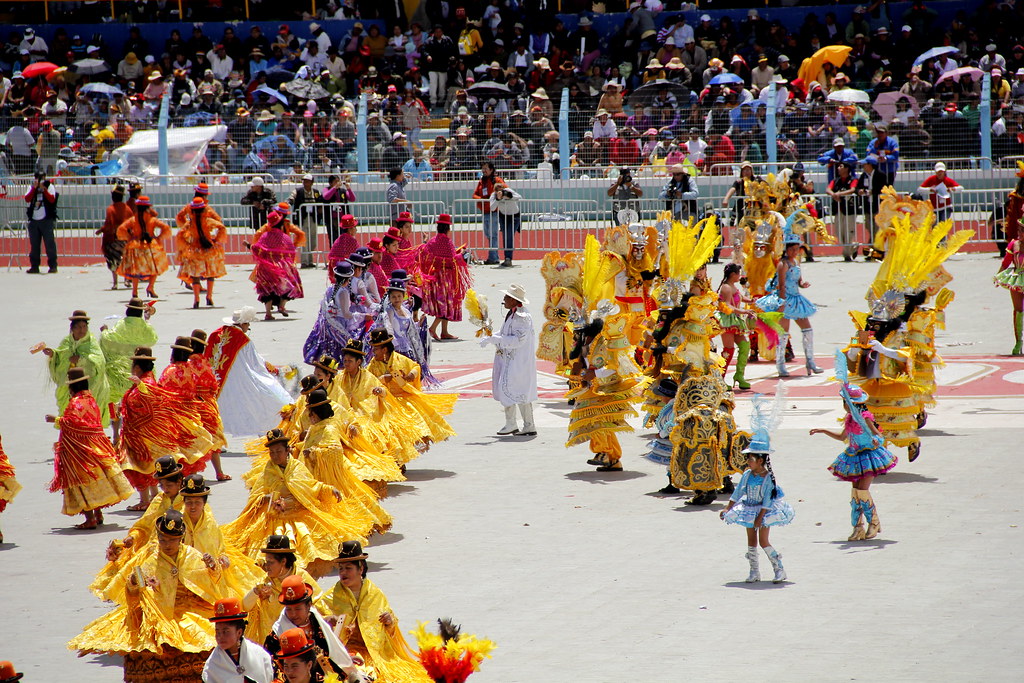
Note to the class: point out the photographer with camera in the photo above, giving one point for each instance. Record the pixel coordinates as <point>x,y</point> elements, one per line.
<point>680,193</point>
<point>624,193</point>
<point>505,203</point>
<point>260,199</point>
<point>42,218</point>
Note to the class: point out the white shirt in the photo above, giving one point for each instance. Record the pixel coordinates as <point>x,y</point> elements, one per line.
<point>324,41</point>
<point>253,662</point>
<point>508,207</point>
<point>20,140</point>
<point>683,35</point>
<point>604,130</point>
<point>221,67</point>
<point>514,376</point>
<point>33,46</point>
<point>695,150</point>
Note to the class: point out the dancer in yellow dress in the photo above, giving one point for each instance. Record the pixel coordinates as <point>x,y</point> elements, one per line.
<point>9,486</point>
<point>161,625</point>
<point>204,534</point>
<point>127,552</point>
<point>279,562</point>
<point>287,499</point>
<point>400,375</point>
<point>368,627</point>
<point>144,256</point>
<point>86,467</point>
<point>323,451</point>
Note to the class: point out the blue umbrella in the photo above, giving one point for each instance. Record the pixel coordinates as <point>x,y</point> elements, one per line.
<point>276,75</point>
<point>200,118</point>
<point>935,52</point>
<point>725,79</point>
<point>270,92</point>
<point>101,89</point>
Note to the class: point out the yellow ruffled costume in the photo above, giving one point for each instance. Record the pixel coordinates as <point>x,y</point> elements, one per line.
<point>205,535</point>
<point>164,628</point>
<point>324,454</point>
<point>312,518</point>
<point>382,648</point>
<point>398,430</point>
<point>109,584</point>
<point>429,407</point>
<point>264,611</point>
<point>366,460</point>
<point>563,276</point>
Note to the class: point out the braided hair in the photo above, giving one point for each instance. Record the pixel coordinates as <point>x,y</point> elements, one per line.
<point>143,228</point>
<point>204,240</point>
<point>771,474</point>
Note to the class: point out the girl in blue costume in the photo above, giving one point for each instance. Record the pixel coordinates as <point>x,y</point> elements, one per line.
<point>784,295</point>
<point>757,503</point>
<point>410,335</point>
<point>864,458</point>
<point>341,318</point>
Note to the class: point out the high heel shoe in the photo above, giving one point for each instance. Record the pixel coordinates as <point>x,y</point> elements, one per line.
<point>151,293</point>
<point>195,304</point>
<point>813,369</point>
<point>209,302</point>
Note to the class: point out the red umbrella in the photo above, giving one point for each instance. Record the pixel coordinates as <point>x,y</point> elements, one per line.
<point>38,69</point>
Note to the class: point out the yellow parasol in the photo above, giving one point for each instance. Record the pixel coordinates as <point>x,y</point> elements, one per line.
<point>810,69</point>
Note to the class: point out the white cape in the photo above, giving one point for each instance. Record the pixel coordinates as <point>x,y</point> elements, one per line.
<point>253,663</point>
<point>336,651</point>
<point>251,397</point>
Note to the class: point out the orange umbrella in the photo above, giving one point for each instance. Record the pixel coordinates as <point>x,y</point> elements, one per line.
<point>56,74</point>
<point>810,69</point>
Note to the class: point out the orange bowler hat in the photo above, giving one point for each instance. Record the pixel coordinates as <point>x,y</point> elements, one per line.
<point>228,609</point>
<point>294,590</point>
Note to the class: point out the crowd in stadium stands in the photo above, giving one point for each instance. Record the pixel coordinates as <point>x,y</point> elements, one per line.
<point>460,82</point>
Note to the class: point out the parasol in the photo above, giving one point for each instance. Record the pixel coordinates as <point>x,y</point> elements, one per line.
<point>310,90</point>
<point>89,67</point>
<point>725,79</point>
<point>810,69</point>
<point>849,96</point>
<point>956,74</point>
<point>935,52</point>
<point>885,104</point>
<point>39,69</point>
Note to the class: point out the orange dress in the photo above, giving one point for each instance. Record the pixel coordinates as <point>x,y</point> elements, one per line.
<point>198,259</point>
<point>143,259</point>
<point>207,387</point>
<point>9,486</point>
<point>86,468</point>
<point>179,379</point>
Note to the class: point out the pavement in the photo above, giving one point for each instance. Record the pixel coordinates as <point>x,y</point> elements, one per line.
<point>583,576</point>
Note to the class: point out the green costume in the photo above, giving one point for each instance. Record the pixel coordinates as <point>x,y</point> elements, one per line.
<point>118,344</point>
<point>90,358</point>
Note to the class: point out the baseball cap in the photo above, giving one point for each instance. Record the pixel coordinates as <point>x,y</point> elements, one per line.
<point>839,142</point>
<point>940,167</point>
<point>308,176</point>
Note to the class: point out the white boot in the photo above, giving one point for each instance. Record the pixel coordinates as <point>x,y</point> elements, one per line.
<point>776,559</point>
<point>808,340</point>
<point>780,355</point>
<point>529,429</point>
<point>510,422</point>
<point>755,571</point>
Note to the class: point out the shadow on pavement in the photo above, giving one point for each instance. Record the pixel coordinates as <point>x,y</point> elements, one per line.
<point>594,476</point>
<point>398,489</point>
<point>874,543</point>
<point>102,529</point>
<point>904,477</point>
<point>7,545</point>
<point>427,475</point>
<point>715,507</point>
<point>377,541</point>
<point>757,585</point>
<point>933,432</point>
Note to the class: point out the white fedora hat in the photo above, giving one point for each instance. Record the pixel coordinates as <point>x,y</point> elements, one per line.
<point>517,292</point>
<point>246,314</point>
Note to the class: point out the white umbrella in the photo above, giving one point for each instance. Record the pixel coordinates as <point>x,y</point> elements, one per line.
<point>849,96</point>
<point>89,67</point>
<point>300,87</point>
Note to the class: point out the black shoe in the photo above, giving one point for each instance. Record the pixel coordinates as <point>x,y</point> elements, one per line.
<point>702,498</point>
<point>32,271</point>
<point>307,266</point>
<point>848,259</point>
<point>669,490</point>
<point>507,263</point>
<point>491,262</point>
<point>52,270</point>
<point>922,419</point>
<point>913,451</point>
<point>617,467</point>
<point>727,486</point>
<point>598,459</point>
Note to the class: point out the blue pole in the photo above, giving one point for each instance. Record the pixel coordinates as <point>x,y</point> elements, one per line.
<point>771,130</point>
<point>563,134</point>
<point>162,160</point>
<point>985,121</point>
<point>362,152</point>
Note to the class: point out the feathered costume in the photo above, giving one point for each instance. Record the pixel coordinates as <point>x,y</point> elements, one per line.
<point>451,656</point>
<point>893,356</point>
<point>563,278</point>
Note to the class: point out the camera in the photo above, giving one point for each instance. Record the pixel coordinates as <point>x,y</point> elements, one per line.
<point>39,175</point>
<point>625,176</point>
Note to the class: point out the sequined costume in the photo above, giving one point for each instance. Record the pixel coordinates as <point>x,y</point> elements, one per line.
<point>445,275</point>
<point>753,494</point>
<point>273,252</point>
<point>340,319</point>
<point>200,246</point>
<point>144,256</point>
<point>430,407</point>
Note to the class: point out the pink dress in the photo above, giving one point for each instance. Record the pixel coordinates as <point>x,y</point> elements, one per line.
<point>446,278</point>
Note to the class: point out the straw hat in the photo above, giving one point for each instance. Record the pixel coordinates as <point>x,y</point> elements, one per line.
<point>517,292</point>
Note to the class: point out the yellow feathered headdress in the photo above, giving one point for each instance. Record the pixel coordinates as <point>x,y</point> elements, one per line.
<point>690,246</point>
<point>914,254</point>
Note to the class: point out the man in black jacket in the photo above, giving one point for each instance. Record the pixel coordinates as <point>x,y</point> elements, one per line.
<point>42,218</point>
<point>438,53</point>
<point>307,218</point>
<point>869,187</point>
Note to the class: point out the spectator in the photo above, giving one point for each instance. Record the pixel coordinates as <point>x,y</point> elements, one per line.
<point>886,150</point>
<point>418,168</point>
<point>838,155</point>
<point>129,68</point>
<point>505,205</point>
<point>36,46</point>
<point>680,194</point>
<point>439,51</point>
<point>47,148</point>
<point>20,145</point>
<point>42,218</point>
<point>304,201</point>
<point>588,151</point>
<point>739,190</point>
<point>397,153</point>
<point>604,126</point>
<point>339,195</point>
<point>940,188</point>
<point>869,186</point>
<point>842,189</point>
<point>395,193</point>
<point>624,193</point>
<point>259,198</point>
<point>485,189</point>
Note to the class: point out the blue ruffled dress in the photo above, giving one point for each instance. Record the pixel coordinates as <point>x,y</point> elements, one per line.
<point>751,495</point>
<point>797,305</point>
<point>866,455</point>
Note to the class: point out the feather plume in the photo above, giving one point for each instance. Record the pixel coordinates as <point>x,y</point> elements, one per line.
<point>914,253</point>
<point>476,306</point>
<point>690,246</point>
<point>591,270</point>
<point>842,371</point>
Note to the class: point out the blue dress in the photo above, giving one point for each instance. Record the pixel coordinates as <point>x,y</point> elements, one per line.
<point>866,454</point>
<point>797,305</point>
<point>661,448</point>
<point>340,319</point>
<point>753,493</point>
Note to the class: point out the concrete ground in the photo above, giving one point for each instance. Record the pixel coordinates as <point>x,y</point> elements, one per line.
<point>583,576</point>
